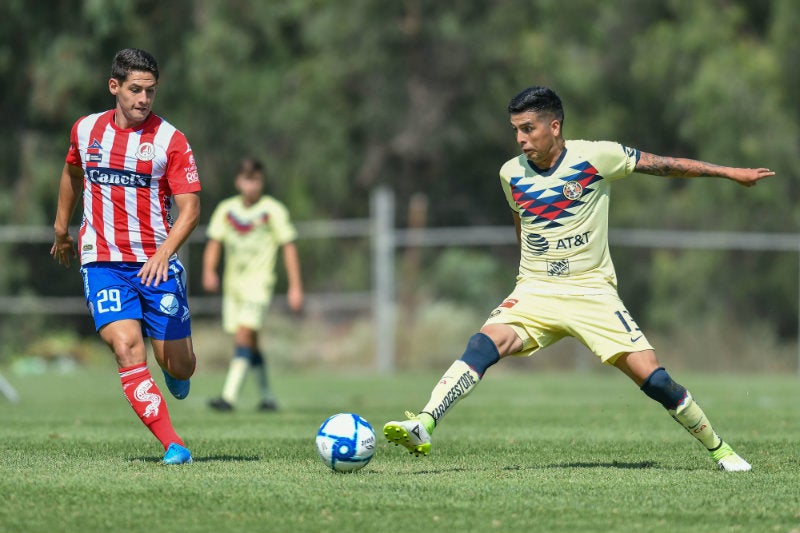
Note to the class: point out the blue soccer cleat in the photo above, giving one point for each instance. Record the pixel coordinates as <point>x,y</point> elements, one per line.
<point>177,455</point>
<point>178,387</point>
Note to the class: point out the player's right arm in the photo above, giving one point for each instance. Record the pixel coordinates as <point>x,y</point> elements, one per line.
<point>69,193</point>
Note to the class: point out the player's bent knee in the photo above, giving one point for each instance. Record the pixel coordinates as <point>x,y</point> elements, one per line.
<point>176,356</point>
<point>505,338</point>
<point>481,353</point>
<point>660,387</point>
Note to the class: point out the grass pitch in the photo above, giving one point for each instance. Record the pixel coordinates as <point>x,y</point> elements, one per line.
<point>525,452</point>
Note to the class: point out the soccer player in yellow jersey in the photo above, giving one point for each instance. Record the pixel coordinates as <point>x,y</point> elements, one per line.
<point>250,229</point>
<point>558,191</point>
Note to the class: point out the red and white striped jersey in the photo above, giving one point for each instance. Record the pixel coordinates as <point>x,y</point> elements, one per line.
<point>130,177</point>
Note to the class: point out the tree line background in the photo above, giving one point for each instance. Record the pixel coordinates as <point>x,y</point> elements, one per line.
<point>340,97</point>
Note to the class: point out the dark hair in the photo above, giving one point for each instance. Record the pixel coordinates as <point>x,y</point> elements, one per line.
<point>133,60</point>
<point>538,100</point>
<point>250,167</point>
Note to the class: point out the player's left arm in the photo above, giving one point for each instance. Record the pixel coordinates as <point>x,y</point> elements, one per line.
<point>156,269</point>
<point>212,253</point>
<point>291,260</point>
<point>680,167</point>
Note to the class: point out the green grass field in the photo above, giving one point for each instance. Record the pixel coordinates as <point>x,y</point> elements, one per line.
<point>525,452</point>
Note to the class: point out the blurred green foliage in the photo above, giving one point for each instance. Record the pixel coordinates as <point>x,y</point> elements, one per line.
<point>339,97</point>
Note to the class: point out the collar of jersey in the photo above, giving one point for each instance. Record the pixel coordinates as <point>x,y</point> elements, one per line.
<point>549,171</point>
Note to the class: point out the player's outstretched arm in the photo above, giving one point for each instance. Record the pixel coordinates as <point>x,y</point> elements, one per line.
<point>680,167</point>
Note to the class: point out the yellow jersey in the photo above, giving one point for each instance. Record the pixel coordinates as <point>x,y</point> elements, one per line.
<point>563,212</point>
<point>251,237</point>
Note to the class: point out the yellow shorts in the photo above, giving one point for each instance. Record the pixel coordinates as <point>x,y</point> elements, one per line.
<point>600,321</point>
<point>238,312</point>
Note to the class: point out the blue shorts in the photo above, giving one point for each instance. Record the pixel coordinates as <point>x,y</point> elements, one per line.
<point>113,292</point>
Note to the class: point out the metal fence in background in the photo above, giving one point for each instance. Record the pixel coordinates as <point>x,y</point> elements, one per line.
<point>385,239</point>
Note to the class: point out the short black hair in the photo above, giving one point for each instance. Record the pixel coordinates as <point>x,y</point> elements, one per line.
<point>250,167</point>
<point>539,100</point>
<point>133,60</point>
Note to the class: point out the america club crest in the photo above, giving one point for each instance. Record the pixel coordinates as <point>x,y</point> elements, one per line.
<point>573,190</point>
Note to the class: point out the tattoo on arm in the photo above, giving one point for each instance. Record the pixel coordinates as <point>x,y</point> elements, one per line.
<point>675,166</point>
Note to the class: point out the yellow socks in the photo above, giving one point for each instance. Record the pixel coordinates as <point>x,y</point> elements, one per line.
<point>691,416</point>
<point>456,383</point>
<point>233,381</point>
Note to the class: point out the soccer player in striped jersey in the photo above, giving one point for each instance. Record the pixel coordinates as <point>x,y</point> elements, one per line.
<point>558,191</point>
<point>130,166</point>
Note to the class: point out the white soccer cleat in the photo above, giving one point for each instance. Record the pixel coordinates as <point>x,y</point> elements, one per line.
<point>728,460</point>
<point>409,433</point>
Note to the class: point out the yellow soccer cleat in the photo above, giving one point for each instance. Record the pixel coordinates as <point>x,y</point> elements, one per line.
<point>410,433</point>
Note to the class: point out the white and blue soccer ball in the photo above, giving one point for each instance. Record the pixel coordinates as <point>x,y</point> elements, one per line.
<point>346,442</point>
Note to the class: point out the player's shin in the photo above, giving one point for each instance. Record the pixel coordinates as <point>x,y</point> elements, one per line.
<point>680,404</point>
<point>462,376</point>
<point>259,365</point>
<point>691,416</point>
<point>147,401</point>
<point>236,374</point>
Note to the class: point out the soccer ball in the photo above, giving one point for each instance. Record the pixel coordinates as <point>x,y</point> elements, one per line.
<point>345,442</point>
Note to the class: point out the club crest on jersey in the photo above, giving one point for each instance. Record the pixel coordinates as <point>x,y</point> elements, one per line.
<point>551,204</point>
<point>146,152</point>
<point>573,190</point>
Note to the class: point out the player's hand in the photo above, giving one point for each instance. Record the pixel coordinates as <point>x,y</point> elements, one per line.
<point>210,281</point>
<point>63,249</point>
<point>749,176</point>
<point>155,270</point>
<point>294,298</point>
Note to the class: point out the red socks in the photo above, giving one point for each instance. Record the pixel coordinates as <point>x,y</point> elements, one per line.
<point>148,403</point>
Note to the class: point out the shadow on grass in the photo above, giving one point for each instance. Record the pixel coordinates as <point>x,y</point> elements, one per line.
<point>204,459</point>
<point>641,465</point>
<point>600,464</point>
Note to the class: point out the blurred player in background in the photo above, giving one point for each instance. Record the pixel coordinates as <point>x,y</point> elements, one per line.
<point>130,165</point>
<point>558,191</point>
<point>251,228</point>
